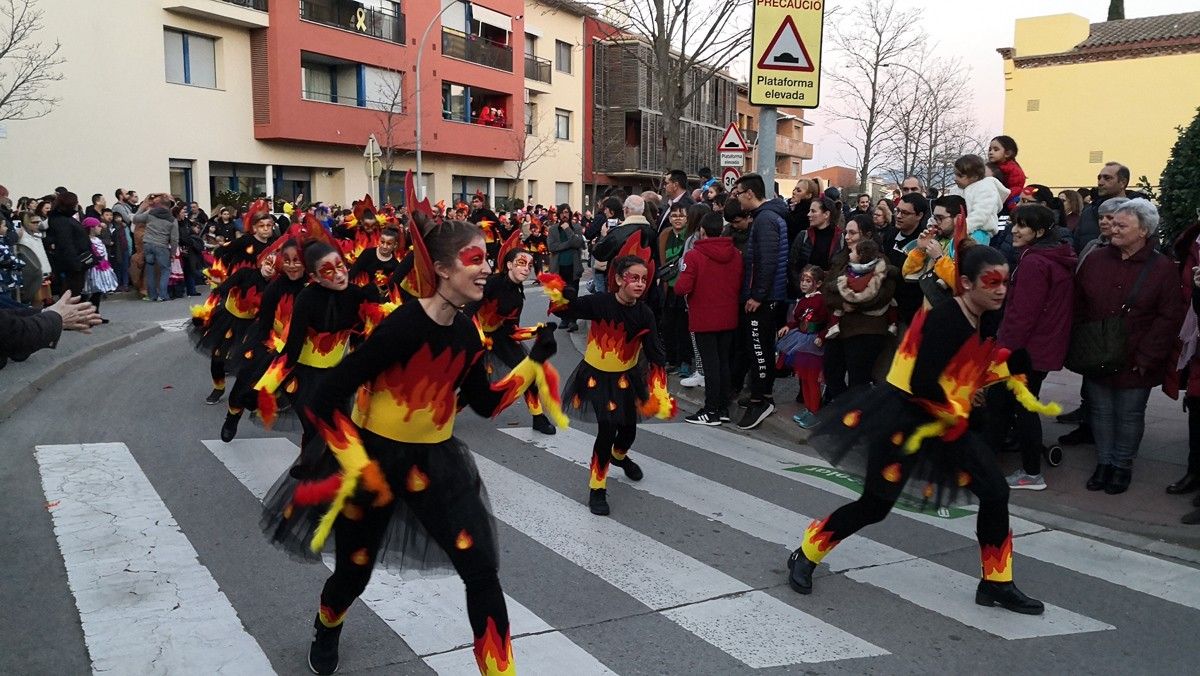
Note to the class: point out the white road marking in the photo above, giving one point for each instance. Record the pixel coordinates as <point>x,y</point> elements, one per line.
<point>661,577</point>
<point>175,325</point>
<point>146,604</point>
<point>429,614</point>
<point>1163,579</point>
<point>931,586</point>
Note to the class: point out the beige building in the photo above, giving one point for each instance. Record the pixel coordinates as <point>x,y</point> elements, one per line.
<point>277,97</point>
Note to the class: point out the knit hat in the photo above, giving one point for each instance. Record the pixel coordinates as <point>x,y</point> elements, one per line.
<point>91,222</point>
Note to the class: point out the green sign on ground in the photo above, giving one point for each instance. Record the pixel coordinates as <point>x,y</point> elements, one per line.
<point>855,483</point>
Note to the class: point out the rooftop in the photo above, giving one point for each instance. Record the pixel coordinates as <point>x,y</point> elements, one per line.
<point>1146,29</point>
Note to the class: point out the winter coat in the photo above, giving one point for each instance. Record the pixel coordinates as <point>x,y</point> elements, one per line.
<point>25,331</point>
<point>984,199</point>
<point>797,219</point>
<point>864,312</point>
<point>161,227</point>
<point>1152,325</point>
<point>65,241</point>
<point>801,250</point>
<point>1040,303</point>
<point>1185,371</point>
<point>610,245</point>
<point>571,241</point>
<point>1015,179</point>
<point>711,276</point>
<point>765,279</point>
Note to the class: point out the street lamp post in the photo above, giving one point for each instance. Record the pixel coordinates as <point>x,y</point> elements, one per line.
<point>417,84</point>
<point>920,76</point>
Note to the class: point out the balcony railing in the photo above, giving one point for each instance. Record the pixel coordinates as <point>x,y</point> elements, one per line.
<point>477,50</point>
<point>537,68</point>
<point>260,5</point>
<point>377,23</point>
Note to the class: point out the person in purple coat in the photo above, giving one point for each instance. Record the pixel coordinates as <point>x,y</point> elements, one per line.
<point>1037,319</point>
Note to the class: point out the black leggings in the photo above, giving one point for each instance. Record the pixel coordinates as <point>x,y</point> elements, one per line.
<point>95,299</point>
<point>216,369</point>
<point>612,446</point>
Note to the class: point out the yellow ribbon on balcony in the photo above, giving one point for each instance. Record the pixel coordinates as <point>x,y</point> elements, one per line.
<point>360,19</point>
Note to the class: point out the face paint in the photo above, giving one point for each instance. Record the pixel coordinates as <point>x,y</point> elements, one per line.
<point>523,261</point>
<point>328,271</point>
<point>472,256</point>
<point>993,279</point>
<point>632,278</point>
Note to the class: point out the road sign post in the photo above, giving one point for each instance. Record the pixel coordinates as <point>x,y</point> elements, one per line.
<point>732,149</point>
<point>372,163</point>
<point>729,177</point>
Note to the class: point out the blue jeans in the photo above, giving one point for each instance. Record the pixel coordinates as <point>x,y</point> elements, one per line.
<point>158,271</point>
<point>1118,418</point>
<point>599,281</point>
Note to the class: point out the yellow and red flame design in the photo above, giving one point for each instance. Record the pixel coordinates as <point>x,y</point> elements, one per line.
<point>324,349</point>
<point>609,349</point>
<point>526,332</point>
<point>201,314</point>
<point>464,541</point>
<point>817,541</point>
<point>489,317</point>
<point>852,418</point>
<point>597,475</point>
<point>243,303</point>
<point>493,652</point>
<point>373,314</point>
<point>416,481</point>
<point>997,560</point>
<point>281,322</point>
<point>344,442</point>
<point>489,231</point>
<point>900,373</point>
<point>216,273</point>
<point>421,280</point>
<point>413,402</point>
<point>660,404</point>
<point>891,473</point>
<point>361,557</point>
<point>329,617</point>
<point>553,285</point>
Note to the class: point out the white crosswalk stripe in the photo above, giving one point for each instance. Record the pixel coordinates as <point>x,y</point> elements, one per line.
<point>107,516</point>
<point>929,585</point>
<point>1157,577</point>
<point>146,603</point>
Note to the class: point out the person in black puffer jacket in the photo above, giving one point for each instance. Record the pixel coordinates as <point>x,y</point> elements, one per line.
<point>66,242</point>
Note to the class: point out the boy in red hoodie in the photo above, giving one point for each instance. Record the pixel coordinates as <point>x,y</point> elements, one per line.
<point>710,277</point>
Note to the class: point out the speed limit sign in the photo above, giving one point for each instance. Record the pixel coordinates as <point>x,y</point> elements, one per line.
<point>729,177</point>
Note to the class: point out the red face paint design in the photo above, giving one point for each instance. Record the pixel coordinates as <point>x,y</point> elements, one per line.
<point>993,279</point>
<point>291,258</point>
<point>523,261</point>
<point>631,278</point>
<point>472,256</point>
<point>329,271</point>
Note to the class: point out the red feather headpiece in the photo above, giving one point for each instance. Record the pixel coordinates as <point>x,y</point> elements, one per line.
<point>960,233</point>
<point>421,280</point>
<point>632,247</point>
<point>304,233</point>
<point>362,206</point>
<point>259,206</point>
<point>410,197</point>
<point>513,242</point>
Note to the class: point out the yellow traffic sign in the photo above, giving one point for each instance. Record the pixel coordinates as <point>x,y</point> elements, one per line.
<point>785,54</point>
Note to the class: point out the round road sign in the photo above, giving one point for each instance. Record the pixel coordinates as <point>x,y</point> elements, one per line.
<point>729,177</point>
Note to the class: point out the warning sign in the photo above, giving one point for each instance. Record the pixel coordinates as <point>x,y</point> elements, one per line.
<point>732,140</point>
<point>785,63</point>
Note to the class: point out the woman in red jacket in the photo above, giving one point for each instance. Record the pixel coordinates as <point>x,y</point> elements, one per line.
<point>711,277</point>
<point>1037,318</point>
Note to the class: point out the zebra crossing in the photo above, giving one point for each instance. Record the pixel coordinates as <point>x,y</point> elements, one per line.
<point>148,604</point>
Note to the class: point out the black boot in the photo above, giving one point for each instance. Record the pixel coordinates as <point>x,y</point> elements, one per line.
<point>229,429</point>
<point>542,424</point>
<point>1191,518</point>
<point>800,572</point>
<point>1119,482</point>
<point>1007,596</point>
<point>631,469</point>
<point>1186,484</point>
<point>323,653</point>
<point>598,501</point>
<point>1100,477</point>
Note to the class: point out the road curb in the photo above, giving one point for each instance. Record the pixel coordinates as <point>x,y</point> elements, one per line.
<point>11,403</point>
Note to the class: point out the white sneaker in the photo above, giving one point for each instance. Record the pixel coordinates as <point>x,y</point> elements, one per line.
<point>694,380</point>
<point>1022,481</point>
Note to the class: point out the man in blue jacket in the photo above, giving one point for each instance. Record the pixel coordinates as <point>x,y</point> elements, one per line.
<point>764,289</point>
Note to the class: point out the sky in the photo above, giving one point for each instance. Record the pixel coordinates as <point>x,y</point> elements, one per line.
<point>973,30</point>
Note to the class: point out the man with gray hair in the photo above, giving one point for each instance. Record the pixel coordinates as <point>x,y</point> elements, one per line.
<point>608,246</point>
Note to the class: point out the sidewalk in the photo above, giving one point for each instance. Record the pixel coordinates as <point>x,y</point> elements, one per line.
<point>131,321</point>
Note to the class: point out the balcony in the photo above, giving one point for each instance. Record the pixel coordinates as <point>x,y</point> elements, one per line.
<point>477,50</point>
<point>377,23</point>
<point>785,145</point>
<point>537,69</point>
<point>240,13</point>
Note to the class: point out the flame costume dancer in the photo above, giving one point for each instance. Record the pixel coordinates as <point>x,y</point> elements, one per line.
<point>283,262</point>
<point>219,326</point>
<point>916,427</point>
<point>622,378</point>
<point>376,266</point>
<point>328,313</point>
<point>395,487</point>
<point>359,232</point>
<point>499,314</point>
<point>487,221</point>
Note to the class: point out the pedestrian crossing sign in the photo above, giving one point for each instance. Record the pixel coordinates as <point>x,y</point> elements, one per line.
<point>785,63</point>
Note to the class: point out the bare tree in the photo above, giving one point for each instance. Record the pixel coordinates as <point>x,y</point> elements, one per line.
<point>861,80</point>
<point>531,148</point>
<point>690,42</point>
<point>27,64</point>
<point>390,104</point>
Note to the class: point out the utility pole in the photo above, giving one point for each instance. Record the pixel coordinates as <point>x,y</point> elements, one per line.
<point>417,112</point>
<point>768,122</point>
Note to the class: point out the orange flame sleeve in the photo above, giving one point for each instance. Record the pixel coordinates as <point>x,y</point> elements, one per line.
<point>660,404</point>
<point>344,442</point>
<point>553,285</point>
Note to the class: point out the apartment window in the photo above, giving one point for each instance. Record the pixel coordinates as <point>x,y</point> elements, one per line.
<point>531,192</point>
<point>562,192</point>
<point>348,83</point>
<point>250,179</point>
<point>530,44</point>
<point>181,179</point>
<point>562,56</point>
<point>474,105</point>
<point>190,59</point>
<point>530,119</point>
<point>562,124</point>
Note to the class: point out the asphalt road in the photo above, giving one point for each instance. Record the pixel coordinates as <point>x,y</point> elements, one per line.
<point>139,552</point>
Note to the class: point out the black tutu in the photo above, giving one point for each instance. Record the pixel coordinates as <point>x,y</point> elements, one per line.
<point>223,335</point>
<point>592,395</point>
<point>453,500</point>
<point>293,396</point>
<point>864,432</point>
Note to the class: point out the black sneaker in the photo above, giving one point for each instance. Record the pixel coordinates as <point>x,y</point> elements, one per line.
<point>703,417</point>
<point>597,503</point>
<point>323,653</point>
<point>229,429</point>
<point>632,471</point>
<point>743,400</point>
<point>723,415</point>
<point>756,412</point>
<point>542,424</point>
<point>214,397</point>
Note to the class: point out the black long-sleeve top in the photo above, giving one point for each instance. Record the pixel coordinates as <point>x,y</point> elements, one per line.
<point>275,311</point>
<point>368,269</point>
<point>322,323</point>
<point>500,310</point>
<point>618,332</point>
<point>410,375</point>
<point>936,350</point>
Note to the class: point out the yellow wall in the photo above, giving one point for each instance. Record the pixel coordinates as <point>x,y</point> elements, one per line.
<point>1049,34</point>
<point>1127,109</point>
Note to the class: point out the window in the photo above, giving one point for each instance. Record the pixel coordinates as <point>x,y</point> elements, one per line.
<point>562,192</point>
<point>247,178</point>
<point>530,44</point>
<point>562,124</point>
<point>1033,105</point>
<point>324,78</point>
<point>531,192</point>
<point>1096,157</point>
<point>530,119</point>
<point>181,179</point>
<point>474,105</point>
<point>562,56</point>
<point>190,59</point>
